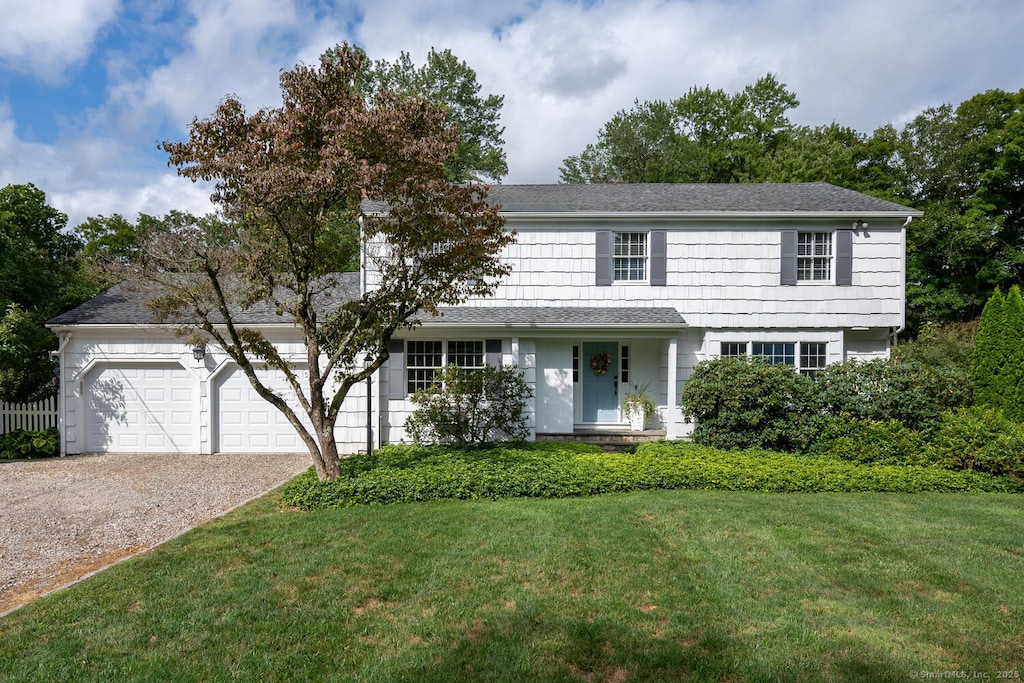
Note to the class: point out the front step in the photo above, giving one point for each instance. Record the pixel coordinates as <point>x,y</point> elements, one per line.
<point>610,440</point>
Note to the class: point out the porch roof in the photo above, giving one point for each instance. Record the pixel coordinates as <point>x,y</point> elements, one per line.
<point>557,317</point>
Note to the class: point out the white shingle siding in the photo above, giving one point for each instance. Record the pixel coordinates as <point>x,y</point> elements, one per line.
<point>716,276</point>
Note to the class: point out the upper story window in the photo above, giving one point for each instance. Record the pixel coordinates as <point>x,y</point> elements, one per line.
<point>630,256</point>
<point>818,257</point>
<point>814,256</point>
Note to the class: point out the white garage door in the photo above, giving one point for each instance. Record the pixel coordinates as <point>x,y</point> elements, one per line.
<point>245,423</point>
<point>146,408</point>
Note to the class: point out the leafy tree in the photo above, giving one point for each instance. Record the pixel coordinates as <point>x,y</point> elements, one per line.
<point>705,136</point>
<point>964,167</point>
<point>285,178</point>
<point>451,84</point>
<point>989,352</point>
<point>39,278</point>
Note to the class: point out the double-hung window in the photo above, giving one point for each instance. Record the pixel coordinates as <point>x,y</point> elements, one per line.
<point>814,257</point>
<point>424,358</point>
<point>817,257</point>
<point>775,353</point>
<point>629,258</point>
<point>806,357</point>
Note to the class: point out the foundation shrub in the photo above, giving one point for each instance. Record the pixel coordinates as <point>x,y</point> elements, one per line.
<point>749,403</point>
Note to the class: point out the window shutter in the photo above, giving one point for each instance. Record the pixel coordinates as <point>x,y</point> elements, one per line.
<point>604,258</point>
<point>788,265</point>
<point>659,265</point>
<point>844,257</point>
<point>396,369</point>
<point>492,352</point>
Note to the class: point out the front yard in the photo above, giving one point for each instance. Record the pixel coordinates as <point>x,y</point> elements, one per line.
<point>648,586</point>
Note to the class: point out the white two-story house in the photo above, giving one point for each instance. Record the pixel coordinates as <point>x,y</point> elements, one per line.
<point>612,287</point>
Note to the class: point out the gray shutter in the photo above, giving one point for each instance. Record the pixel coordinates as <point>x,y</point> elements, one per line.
<point>492,352</point>
<point>788,265</point>
<point>604,258</point>
<point>659,266</point>
<point>396,369</point>
<point>844,257</point>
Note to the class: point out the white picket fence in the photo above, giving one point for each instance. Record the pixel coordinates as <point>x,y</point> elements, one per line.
<point>34,416</point>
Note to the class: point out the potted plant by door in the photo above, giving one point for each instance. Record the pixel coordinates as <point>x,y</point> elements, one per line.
<point>638,407</point>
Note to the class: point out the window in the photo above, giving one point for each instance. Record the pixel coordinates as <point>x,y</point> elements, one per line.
<point>812,357</point>
<point>775,353</point>
<point>734,349</point>
<point>814,256</point>
<point>575,364</point>
<point>424,358</point>
<point>629,258</point>
<point>468,355</point>
<point>624,364</point>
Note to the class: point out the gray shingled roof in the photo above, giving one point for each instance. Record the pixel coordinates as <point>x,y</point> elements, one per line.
<point>123,306</point>
<point>733,198</point>
<point>556,316</point>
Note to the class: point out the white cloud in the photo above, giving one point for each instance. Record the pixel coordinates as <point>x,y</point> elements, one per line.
<point>565,67</point>
<point>45,43</point>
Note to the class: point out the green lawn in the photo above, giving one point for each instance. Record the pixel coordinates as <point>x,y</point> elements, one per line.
<point>670,585</point>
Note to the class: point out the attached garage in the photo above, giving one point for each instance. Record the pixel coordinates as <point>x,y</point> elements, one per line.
<point>244,422</point>
<point>140,407</point>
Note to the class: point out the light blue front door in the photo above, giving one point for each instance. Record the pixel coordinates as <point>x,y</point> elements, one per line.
<point>600,403</point>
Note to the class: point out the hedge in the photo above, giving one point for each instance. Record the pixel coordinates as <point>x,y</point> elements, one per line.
<point>405,474</point>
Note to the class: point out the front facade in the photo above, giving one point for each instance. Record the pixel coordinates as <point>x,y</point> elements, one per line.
<point>613,287</point>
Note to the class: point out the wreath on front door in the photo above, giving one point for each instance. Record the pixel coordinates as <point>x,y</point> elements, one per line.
<point>600,363</point>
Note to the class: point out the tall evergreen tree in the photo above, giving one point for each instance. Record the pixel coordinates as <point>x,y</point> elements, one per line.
<point>1013,343</point>
<point>989,351</point>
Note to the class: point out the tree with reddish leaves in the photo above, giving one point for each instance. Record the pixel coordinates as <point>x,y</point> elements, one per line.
<point>290,182</point>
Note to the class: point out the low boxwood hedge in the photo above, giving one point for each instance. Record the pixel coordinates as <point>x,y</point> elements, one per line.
<point>409,473</point>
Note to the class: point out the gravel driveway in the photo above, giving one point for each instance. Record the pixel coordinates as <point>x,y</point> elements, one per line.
<point>63,518</point>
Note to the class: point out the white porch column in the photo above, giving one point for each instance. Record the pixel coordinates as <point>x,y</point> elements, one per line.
<point>673,417</point>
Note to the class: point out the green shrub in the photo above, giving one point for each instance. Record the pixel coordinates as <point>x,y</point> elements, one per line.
<point>884,442</point>
<point>414,473</point>
<point>949,346</point>
<point>880,390</point>
<point>749,403</point>
<point>982,439</point>
<point>470,407</point>
<point>27,444</point>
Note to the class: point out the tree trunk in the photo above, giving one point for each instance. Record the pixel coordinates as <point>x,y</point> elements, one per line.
<point>327,461</point>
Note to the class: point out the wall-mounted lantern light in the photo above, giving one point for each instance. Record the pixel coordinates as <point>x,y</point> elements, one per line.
<point>199,352</point>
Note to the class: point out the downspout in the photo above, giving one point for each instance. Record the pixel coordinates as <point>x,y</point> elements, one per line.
<point>903,275</point>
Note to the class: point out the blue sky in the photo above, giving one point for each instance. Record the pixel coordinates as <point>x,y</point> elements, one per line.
<point>88,88</point>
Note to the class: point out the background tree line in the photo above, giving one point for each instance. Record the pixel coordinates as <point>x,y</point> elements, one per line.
<point>963,166</point>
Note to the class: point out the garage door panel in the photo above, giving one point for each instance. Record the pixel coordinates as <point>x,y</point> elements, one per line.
<point>245,422</point>
<point>140,408</point>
